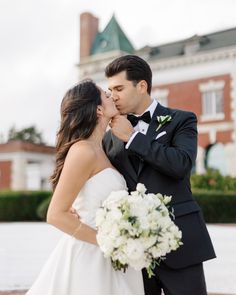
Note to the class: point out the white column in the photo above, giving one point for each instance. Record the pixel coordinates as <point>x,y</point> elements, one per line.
<point>200,167</point>
<point>18,181</point>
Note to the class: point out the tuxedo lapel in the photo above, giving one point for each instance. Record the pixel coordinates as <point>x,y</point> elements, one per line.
<point>151,132</point>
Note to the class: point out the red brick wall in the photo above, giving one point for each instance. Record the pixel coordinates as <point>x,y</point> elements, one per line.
<point>203,140</point>
<point>224,136</point>
<point>187,96</point>
<point>5,174</point>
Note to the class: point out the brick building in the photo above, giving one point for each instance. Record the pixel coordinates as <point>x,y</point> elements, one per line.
<point>26,166</point>
<point>196,74</point>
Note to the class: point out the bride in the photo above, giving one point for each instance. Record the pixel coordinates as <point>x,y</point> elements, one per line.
<point>83,178</point>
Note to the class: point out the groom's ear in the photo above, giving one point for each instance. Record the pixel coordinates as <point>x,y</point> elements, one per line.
<point>99,111</point>
<point>142,86</point>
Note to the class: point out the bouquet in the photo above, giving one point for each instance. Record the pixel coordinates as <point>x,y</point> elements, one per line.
<point>136,229</point>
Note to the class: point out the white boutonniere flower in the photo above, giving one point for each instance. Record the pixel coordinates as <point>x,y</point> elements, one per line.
<point>162,120</point>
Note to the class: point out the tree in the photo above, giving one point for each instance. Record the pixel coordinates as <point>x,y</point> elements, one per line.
<point>30,134</point>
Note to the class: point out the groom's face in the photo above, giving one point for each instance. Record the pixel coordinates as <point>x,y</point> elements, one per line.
<point>125,93</point>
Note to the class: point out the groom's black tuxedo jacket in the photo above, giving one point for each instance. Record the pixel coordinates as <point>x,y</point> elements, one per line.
<point>164,165</point>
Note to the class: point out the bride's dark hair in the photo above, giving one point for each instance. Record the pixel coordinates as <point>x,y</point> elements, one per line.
<point>78,120</point>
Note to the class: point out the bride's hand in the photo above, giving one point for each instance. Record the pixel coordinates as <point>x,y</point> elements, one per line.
<point>121,127</point>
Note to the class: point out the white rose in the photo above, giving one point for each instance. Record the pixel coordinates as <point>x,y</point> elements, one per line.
<point>175,231</point>
<point>120,255</point>
<point>155,251</point>
<point>164,222</point>
<point>115,198</point>
<point>140,263</point>
<point>164,247</point>
<point>144,223</point>
<point>119,241</point>
<point>134,249</point>
<point>141,188</point>
<point>105,244</point>
<point>148,242</point>
<point>138,208</point>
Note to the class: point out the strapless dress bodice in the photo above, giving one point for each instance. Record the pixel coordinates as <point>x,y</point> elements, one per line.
<point>95,191</point>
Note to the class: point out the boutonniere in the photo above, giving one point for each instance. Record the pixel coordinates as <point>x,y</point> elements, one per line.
<point>162,120</point>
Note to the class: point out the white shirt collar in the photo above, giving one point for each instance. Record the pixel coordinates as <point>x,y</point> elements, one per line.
<point>152,107</point>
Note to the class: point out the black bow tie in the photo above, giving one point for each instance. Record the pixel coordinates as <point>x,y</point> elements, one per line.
<point>134,119</point>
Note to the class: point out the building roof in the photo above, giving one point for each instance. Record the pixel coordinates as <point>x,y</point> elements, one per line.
<point>194,44</point>
<point>111,38</point>
<point>19,146</point>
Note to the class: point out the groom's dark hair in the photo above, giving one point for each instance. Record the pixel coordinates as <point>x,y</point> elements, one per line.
<point>135,67</point>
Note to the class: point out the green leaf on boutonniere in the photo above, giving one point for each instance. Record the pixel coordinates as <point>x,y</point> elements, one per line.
<point>162,120</point>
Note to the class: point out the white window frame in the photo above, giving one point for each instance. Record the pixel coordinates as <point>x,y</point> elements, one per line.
<point>212,88</point>
<point>161,96</point>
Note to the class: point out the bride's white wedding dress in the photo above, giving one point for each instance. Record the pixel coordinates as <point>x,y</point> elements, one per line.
<point>79,268</point>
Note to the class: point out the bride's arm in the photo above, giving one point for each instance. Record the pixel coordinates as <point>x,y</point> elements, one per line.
<point>78,167</point>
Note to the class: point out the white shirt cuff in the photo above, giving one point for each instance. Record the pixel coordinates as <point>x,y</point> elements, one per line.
<point>131,139</point>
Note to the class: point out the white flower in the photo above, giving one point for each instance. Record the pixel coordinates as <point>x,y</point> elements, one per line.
<point>162,120</point>
<point>167,199</point>
<point>134,249</point>
<point>141,188</point>
<point>115,198</point>
<point>139,264</point>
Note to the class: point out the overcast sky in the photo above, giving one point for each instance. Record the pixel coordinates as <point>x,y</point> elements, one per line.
<point>39,41</point>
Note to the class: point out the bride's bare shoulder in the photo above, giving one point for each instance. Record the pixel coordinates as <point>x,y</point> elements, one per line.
<point>82,150</point>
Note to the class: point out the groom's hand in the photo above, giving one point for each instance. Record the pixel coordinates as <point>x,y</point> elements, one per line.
<point>121,127</point>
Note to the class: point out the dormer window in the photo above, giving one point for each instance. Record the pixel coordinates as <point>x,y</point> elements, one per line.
<point>103,43</point>
<point>192,45</point>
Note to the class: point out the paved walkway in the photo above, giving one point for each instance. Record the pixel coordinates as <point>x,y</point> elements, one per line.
<point>24,247</point>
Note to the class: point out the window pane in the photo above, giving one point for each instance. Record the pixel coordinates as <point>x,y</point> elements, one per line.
<point>219,102</point>
<point>213,102</point>
<point>207,103</point>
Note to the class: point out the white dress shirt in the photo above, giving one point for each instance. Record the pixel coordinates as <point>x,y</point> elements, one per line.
<point>142,126</point>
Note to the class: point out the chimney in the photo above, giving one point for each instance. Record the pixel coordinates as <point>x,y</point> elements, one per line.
<point>88,31</point>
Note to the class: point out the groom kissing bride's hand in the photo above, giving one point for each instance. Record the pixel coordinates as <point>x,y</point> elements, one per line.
<point>121,127</point>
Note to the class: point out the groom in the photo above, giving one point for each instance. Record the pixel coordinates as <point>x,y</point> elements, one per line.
<point>157,146</point>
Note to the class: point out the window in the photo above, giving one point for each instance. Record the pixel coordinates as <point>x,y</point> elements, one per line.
<point>212,100</point>
<point>161,96</point>
<point>212,103</point>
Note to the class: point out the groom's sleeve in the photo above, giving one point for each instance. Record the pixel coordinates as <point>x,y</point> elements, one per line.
<point>176,158</point>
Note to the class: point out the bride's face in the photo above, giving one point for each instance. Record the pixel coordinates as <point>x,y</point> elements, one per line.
<point>109,107</point>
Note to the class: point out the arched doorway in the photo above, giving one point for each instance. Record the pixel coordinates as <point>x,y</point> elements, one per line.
<point>215,158</point>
